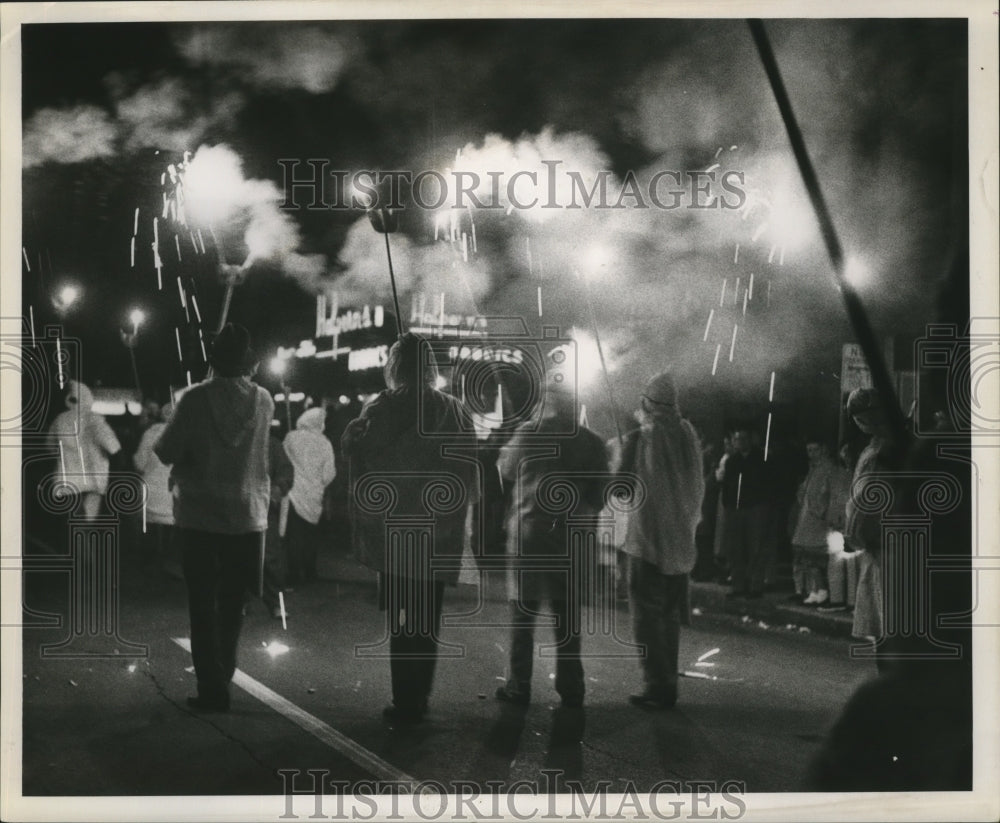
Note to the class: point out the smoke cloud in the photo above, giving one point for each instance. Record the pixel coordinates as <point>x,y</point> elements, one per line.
<point>71,135</point>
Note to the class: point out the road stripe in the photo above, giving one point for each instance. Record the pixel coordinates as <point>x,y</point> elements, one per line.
<point>337,741</point>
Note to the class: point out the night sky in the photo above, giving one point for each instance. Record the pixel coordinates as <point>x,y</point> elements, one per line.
<point>882,105</point>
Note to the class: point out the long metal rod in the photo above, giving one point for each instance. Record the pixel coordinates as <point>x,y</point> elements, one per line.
<point>855,310</point>
<point>392,279</point>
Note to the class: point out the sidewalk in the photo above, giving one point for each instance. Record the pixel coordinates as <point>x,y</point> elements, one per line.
<point>773,608</point>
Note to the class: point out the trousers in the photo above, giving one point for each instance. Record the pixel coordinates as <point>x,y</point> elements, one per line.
<point>656,601</point>
<point>413,610</point>
<point>218,570</point>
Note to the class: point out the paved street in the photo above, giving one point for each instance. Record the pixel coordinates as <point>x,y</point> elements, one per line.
<point>754,711</point>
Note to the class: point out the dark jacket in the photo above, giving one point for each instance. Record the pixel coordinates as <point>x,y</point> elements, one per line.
<point>413,473</point>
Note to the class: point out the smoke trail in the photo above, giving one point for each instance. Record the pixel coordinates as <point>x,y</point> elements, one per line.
<point>72,135</point>
<point>290,56</point>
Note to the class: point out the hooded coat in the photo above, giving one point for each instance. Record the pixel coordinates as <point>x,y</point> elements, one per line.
<point>159,500</point>
<point>85,441</point>
<point>312,456</point>
<point>665,454</point>
<point>217,446</point>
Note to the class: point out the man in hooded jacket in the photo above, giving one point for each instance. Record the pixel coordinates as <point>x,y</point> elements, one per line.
<point>665,455</point>
<point>217,445</point>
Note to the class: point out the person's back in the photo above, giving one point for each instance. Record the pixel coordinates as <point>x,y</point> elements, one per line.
<point>217,445</point>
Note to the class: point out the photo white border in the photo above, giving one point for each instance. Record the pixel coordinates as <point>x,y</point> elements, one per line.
<point>983,803</point>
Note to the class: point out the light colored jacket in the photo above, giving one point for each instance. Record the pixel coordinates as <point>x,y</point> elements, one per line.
<point>217,446</point>
<point>665,454</point>
<point>312,456</point>
<point>159,500</point>
<point>85,441</point>
<point>817,503</point>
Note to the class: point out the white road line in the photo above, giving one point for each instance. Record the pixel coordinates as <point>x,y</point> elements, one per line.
<point>317,728</point>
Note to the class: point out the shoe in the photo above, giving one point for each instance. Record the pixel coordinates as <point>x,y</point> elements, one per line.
<point>202,704</point>
<point>505,695</point>
<point>402,717</point>
<point>810,600</point>
<point>653,700</point>
<point>822,596</point>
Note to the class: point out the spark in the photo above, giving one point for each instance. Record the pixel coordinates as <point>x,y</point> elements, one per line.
<point>194,302</point>
<point>736,292</point>
<point>188,373</point>
<point>201,241</point>
<point>770,394</point>
<point>31,320</point>
<point>475,245</point>
<point>708,654</point>
<point>715,363</point>
<point>722,297</point>
<point>437,226</point>
<point>769,293</point>
<point>736,257</point>
<point>745,295</point>
<point>718,151</point>
<point>732,345</point>
<point>180,291</point>
<point>761,229</point>
<point>62,459</point>
<point>24,251</point>
<point>59,362</point>
<point>767,437</point>
<point>465,247</point>
<point>751,285</point>
<point>584,422</point>
<point>708,325</point>
<point>711,168</point>
<point>135,222</point>
<point>539,301</point>
<point>177,243</point>
<point>739,489</point>
<point>770,257</point>
<point>145,491</point>
<point>281,605</point>
<point>132,252</point>
<point>201,340</point>
<point>177,334</point>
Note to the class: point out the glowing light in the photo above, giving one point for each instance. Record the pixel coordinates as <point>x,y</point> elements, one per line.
<point>835,543</point>
<point>68,295</point>
<point>278,365</point>
<point>440,382</point>
<point>857,272</point>
<point>587,357</point>
<point>137,318</point>
<point>274,648</point>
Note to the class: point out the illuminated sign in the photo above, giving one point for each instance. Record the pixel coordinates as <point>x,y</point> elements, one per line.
<point>331,323</point>
<point>372,358</point>
<point>500,354</point>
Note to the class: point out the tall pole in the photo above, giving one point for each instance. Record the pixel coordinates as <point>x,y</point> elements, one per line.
<point>855,310</point>
<point>135,368</point>
<point>392,279</point>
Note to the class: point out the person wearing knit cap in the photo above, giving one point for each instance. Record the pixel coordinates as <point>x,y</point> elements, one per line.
<point>664,456</point>
<point>216,444</point>
<point>85,442</point>
<point>312,456</point>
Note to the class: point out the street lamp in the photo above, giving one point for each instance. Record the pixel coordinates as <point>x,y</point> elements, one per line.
<point>138,317</point>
